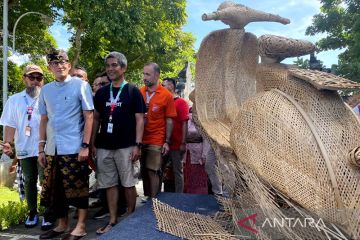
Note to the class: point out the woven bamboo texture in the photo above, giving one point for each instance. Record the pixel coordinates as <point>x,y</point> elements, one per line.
<point>298,139</point>
<point>323,80</point>
<point>188,225</point>
<point>220,98</point>
<point>290,143</point>
<point>279,48</point>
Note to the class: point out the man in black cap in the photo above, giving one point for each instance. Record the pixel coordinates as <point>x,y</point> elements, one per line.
<point>66,108</point>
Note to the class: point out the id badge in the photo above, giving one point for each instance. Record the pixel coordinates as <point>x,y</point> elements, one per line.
<point>110,127</point>
<point>28,131</point>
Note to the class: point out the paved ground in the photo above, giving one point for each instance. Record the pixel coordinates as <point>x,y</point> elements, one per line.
<point>19,232</point>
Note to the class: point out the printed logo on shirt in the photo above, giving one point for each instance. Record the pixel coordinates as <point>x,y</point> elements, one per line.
<point>118,104</point>
<point>155,108</point>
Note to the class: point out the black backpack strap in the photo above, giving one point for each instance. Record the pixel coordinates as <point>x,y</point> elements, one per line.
<point>131,90</point>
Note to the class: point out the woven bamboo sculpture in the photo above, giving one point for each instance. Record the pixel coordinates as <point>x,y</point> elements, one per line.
<point>277,128</point>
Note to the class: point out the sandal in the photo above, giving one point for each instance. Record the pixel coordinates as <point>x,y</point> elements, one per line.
<point>105,228</point>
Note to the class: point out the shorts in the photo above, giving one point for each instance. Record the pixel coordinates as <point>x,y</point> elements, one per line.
<point>151,157</point>
<point>113,165</point>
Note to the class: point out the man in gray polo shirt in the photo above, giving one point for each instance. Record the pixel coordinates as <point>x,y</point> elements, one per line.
<point>66,108</point>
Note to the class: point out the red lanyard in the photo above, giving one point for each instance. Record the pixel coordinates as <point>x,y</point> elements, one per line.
<point>29,109</point>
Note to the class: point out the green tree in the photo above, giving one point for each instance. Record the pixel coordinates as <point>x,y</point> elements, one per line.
<point>144,30</point>
<point>340,20</point>
<point>301,63</point>
<point>32,36</point>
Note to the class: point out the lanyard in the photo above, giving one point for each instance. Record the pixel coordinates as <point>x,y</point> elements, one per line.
<point>30,108</point>
<point>148,97</point>
<point>114,101</point>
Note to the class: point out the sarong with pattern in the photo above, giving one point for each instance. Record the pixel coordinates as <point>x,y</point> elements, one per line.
<point>66,182</point>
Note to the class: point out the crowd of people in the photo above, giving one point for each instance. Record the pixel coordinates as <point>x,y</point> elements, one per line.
<point>64,130</point>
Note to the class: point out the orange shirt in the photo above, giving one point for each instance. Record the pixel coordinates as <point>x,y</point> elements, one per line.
<point>160,107</point>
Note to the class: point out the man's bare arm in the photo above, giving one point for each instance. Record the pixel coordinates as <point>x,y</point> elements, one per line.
<point>184,135</point>
<point>89,119</point>
<point>8,139</point>
<point>95,127</point>
<point>169,128</point>
<point>136,152</point>
<point>139,126</point>
<point>42,139</point>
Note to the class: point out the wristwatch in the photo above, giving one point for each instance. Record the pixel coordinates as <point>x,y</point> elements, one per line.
<point>139,145</point>
<point>84,145</point>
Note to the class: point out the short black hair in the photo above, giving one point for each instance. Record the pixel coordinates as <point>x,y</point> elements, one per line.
<point>172,80</point>
<point>56,54</point>
<point>101,74</point>
<point>80,68</point>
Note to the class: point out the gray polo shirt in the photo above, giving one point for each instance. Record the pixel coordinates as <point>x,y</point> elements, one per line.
<point>64,103</point>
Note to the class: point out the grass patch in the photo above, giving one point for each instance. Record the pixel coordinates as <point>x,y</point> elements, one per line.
<point>8,194</point>
<point>12,211</point>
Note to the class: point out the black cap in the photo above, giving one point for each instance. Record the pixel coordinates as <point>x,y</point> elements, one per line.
<point>57,54</point>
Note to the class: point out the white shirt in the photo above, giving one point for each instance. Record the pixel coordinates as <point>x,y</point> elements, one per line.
<point>15,115</point>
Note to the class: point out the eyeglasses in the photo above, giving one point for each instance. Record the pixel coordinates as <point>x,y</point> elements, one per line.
<point>57,63</point>
<point>33,78</point>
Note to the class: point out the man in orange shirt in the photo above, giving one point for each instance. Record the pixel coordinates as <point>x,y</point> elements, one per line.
<point>158,128</point>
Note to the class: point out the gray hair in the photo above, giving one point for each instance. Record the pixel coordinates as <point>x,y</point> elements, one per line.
<point>121,59</point>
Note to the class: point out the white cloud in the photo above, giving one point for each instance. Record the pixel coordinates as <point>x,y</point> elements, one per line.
<point>19,59</point>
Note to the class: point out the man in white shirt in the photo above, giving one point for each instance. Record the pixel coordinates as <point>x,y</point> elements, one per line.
<point>21,119</point>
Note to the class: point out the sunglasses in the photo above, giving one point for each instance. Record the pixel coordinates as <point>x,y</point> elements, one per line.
<point>33,78</point>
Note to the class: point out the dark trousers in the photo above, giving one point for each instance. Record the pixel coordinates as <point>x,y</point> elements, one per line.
<point>31,171</point>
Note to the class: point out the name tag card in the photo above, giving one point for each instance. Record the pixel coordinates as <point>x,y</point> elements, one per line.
<point>28,131</point>
<point>110,127</point>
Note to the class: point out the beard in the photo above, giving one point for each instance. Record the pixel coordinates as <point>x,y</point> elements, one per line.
<point>33,91</point>
<point>148,83</point>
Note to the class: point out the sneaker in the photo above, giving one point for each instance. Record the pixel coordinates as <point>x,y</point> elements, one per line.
<point>102,213</point>
<point>46,225</point>
<point>31,221</point>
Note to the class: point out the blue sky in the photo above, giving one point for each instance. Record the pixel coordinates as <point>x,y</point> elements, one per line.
<point>300,13</point>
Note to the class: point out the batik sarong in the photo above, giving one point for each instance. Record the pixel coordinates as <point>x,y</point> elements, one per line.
<point>66,182</point>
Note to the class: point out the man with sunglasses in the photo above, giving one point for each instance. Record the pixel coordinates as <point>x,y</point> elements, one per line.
<point>100,81</point>
<point>21,119</point>
<point>66,108</point>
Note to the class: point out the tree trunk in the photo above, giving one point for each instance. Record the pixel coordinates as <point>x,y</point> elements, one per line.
<point>77,49</point>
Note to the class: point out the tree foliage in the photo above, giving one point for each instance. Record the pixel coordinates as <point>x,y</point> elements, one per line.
<point>340,20</point>
<point>301,63</point>
<point>32,35</point>
<point>144,30</point>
